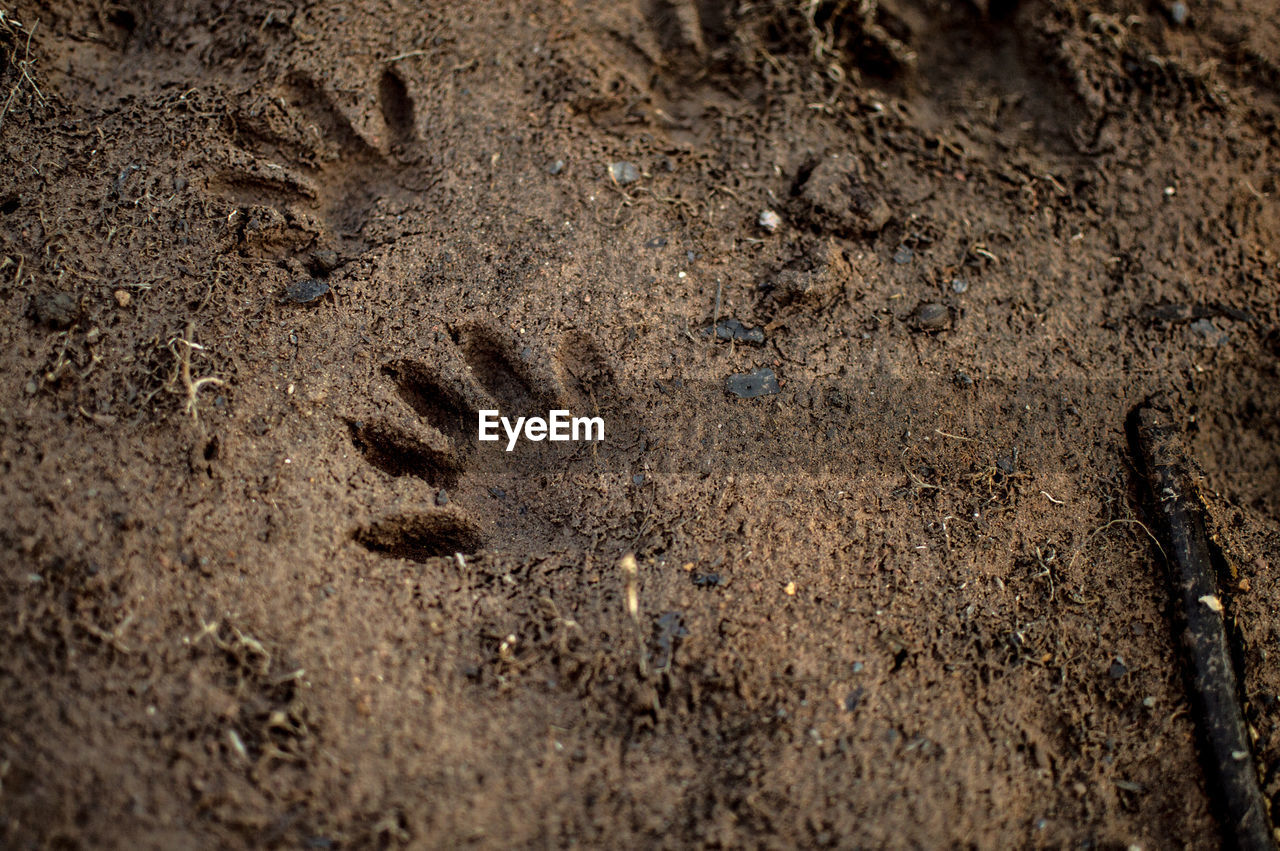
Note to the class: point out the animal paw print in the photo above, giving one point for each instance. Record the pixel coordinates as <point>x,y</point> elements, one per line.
<point>653,58</point>
<point>423,422</point>
<point>306,173</point>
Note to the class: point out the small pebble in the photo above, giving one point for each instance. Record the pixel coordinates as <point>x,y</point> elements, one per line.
<point>442,497</point>
<point>1206,329</point>
<point>325,260</point>
<point>838,199</point>
<point>769,220</point>
<point>959,285</point>
<point>789,589</point>
<point>122,297</point>
<point>307,290</point>
<point>1118,668</point>
<point>1178,12</point>
<point>931,316</point>
<point>556,167</point>
<point>758,382</point>
<point>623,173</point>
<point>56,310</point>
<point>903,255</point>
<point>735,330</point>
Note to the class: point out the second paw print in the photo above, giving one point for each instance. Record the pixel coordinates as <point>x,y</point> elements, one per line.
<point>422,420</point>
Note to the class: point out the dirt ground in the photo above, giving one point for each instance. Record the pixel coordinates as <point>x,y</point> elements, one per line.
<point>263,588</point>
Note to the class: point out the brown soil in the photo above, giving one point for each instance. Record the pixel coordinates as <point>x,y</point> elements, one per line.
<point>906,601</point>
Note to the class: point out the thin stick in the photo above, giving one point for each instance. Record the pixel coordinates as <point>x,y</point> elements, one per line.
<point>1180,517</point>
<point>715,316</point>
<point>630,581</point>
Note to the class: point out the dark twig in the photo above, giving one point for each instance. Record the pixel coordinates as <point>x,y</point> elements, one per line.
<point>1199,607</point>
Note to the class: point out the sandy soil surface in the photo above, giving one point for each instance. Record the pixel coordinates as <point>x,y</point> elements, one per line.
<point>262,587</point>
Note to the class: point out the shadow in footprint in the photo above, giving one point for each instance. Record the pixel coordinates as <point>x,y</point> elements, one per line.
<point>420,537</point>
<point>400,455</point>
<point>397,108</point>
<point>503,378</point>
<point>432,400</point>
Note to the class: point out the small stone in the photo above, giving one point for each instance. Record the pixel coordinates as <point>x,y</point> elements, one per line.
<point>959,286</point>
<point>56,310</point>
<point>1118,668</point>
<point>497,493</point>
<point>122,297</point>
<point>749,385</point>
<point>1210,332</point>
<point>931,316</point>
<point>442,497</point>
<point>838,199</point>
<point>307,290</point>
<point>556,167</point>
<point>1178,13</point>
<point>31,387</point>
<point>735,330</point>
<point>623,173</point>
<point>789,589</point>
<point>769,221</point>
<point>324,261</point>
<point>903,255</point>
<point>820,273</point>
